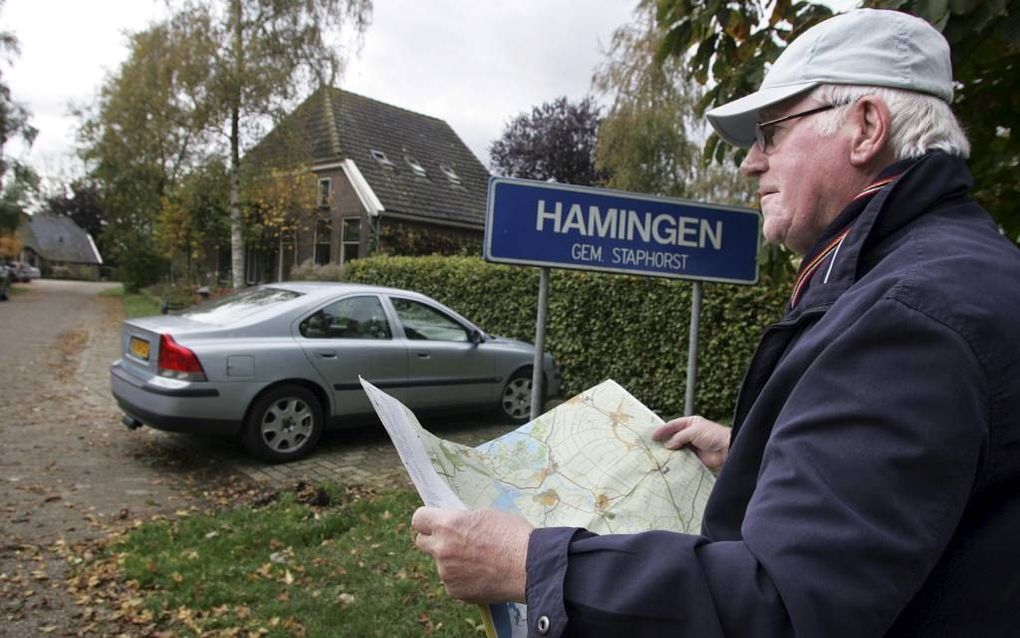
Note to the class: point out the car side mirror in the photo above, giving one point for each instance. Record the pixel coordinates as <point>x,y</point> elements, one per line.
<point>476,337</point>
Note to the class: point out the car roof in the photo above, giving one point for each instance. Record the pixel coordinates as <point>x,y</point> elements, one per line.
<point>311,294</point>
<point>329,288</point>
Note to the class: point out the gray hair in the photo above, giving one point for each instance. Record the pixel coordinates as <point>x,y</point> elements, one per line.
<point>920,122</point>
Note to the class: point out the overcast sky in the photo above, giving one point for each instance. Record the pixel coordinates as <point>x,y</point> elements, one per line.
<point>474,63</point>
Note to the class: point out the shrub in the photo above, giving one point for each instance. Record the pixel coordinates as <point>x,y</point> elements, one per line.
<point>308,271</point>
<point>630,329</point>
<point>183,295</point>
<point>139,268</point>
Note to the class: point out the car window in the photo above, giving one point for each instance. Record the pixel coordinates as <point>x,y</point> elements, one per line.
<point>421,322</point>
<point>350,318</point>
<point>237,306</point>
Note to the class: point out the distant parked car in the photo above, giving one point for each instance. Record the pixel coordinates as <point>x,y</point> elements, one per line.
<point>31,272</point>
<point>5,282</point>
<point>278,364</point>
<point>22,272</point>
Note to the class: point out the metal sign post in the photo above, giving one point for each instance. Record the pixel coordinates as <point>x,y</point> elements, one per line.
<point>537,387</point>
<point>692,349</point>
<point>558,225</point>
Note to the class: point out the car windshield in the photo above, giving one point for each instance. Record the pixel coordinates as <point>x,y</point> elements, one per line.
<point>237,306</point>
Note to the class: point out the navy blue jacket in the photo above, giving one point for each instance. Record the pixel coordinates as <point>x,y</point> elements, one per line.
<point>873,482</point>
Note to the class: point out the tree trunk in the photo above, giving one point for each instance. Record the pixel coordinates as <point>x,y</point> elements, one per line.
<point>236,223</point>
<point>279,274</point>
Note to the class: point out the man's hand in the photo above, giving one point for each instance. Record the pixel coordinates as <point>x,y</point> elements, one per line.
<point>710,441</point>
<point>481,555</point>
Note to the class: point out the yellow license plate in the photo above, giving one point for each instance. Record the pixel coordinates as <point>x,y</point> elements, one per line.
<point>140,348</point>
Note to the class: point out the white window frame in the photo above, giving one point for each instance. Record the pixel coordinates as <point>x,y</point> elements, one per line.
<point>328,224</point>
<point>324,198</point>
<point>416,166</point>
<point>450,173</point>
<point>343,238</point>
<point>380,157</point>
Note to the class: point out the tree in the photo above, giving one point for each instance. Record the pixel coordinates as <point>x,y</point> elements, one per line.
<point>556,141</point>
<point>146,130</point>
<point>10,246</point>
<point>279,202</point>
<point>17,181</point>
<point>192,225</point>
<point>266,53</point>
<point>13,198</point>
<point>730,46</point>
<point>985,41</point>
<point>13,116</point>
<point>81,201</point>
<point>198,86</point>
<point>651,139</point>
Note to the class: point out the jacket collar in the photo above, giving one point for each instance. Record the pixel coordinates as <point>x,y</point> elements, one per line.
<point>901,193</point>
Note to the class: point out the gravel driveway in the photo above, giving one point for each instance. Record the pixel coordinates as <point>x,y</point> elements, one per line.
<point>70,471</point>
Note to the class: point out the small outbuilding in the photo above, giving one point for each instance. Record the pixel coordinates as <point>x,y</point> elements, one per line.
<point>59,247</point>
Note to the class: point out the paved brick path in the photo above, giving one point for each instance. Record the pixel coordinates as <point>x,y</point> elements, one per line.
<point>66,471</point>
<point>359,456</point>
<point>70,471</point>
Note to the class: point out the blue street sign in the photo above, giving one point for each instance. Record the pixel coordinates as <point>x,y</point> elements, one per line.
<point>562,226</point>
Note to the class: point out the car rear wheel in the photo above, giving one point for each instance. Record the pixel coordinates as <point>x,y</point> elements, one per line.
<point>515,400</point>
<point>284,424</point>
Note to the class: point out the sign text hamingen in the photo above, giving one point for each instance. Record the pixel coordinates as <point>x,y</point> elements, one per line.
<point>557,225</point>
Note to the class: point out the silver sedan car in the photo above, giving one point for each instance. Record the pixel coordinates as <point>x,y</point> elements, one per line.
<point>278,364</point>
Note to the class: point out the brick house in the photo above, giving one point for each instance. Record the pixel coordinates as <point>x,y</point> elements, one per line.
<point>387,180</point>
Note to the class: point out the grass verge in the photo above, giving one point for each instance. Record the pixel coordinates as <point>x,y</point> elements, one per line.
<point>135,304</point>
<point>319,562</point>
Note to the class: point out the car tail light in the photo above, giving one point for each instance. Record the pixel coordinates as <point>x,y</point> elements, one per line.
<point>177,362</point>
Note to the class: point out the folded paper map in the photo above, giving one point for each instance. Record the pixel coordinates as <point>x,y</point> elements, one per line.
<point>590,462</point>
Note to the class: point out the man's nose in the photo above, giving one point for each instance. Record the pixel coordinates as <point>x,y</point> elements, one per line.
<point>755,162</point>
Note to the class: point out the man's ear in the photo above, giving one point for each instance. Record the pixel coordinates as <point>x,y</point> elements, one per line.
<point>871,124</point>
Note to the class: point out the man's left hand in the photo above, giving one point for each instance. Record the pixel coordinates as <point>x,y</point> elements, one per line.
<point>480,554</point>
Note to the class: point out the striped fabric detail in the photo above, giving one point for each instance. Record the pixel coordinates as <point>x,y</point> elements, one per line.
<point>874,187</point>
<point>807,271</point>
<point>833,246</point>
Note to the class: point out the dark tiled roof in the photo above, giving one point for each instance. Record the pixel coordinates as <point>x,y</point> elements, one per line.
<point>335,125</point>
<point>58,238</point>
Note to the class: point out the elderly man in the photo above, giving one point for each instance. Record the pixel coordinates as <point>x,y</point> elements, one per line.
<point>871,483</point>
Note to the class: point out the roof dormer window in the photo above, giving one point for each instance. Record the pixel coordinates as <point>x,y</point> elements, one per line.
<point>416,167</point>
<point>384,161</point>
<point>450,174</point>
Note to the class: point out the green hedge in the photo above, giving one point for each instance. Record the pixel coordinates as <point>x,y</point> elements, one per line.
<point>630,329</point>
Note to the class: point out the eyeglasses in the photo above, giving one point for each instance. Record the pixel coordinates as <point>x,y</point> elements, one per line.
<point>763,130</point>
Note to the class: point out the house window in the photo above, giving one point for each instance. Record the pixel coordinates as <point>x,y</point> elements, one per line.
<point>415,165</point>
<point>450,174</point>
<point>351,240</point>
<point>324,192</point>
<point>384,161</point>
<point>323,240</point>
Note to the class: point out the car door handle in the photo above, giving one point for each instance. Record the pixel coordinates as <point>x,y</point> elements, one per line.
<point>327,355</point>
<point>424,355</point>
